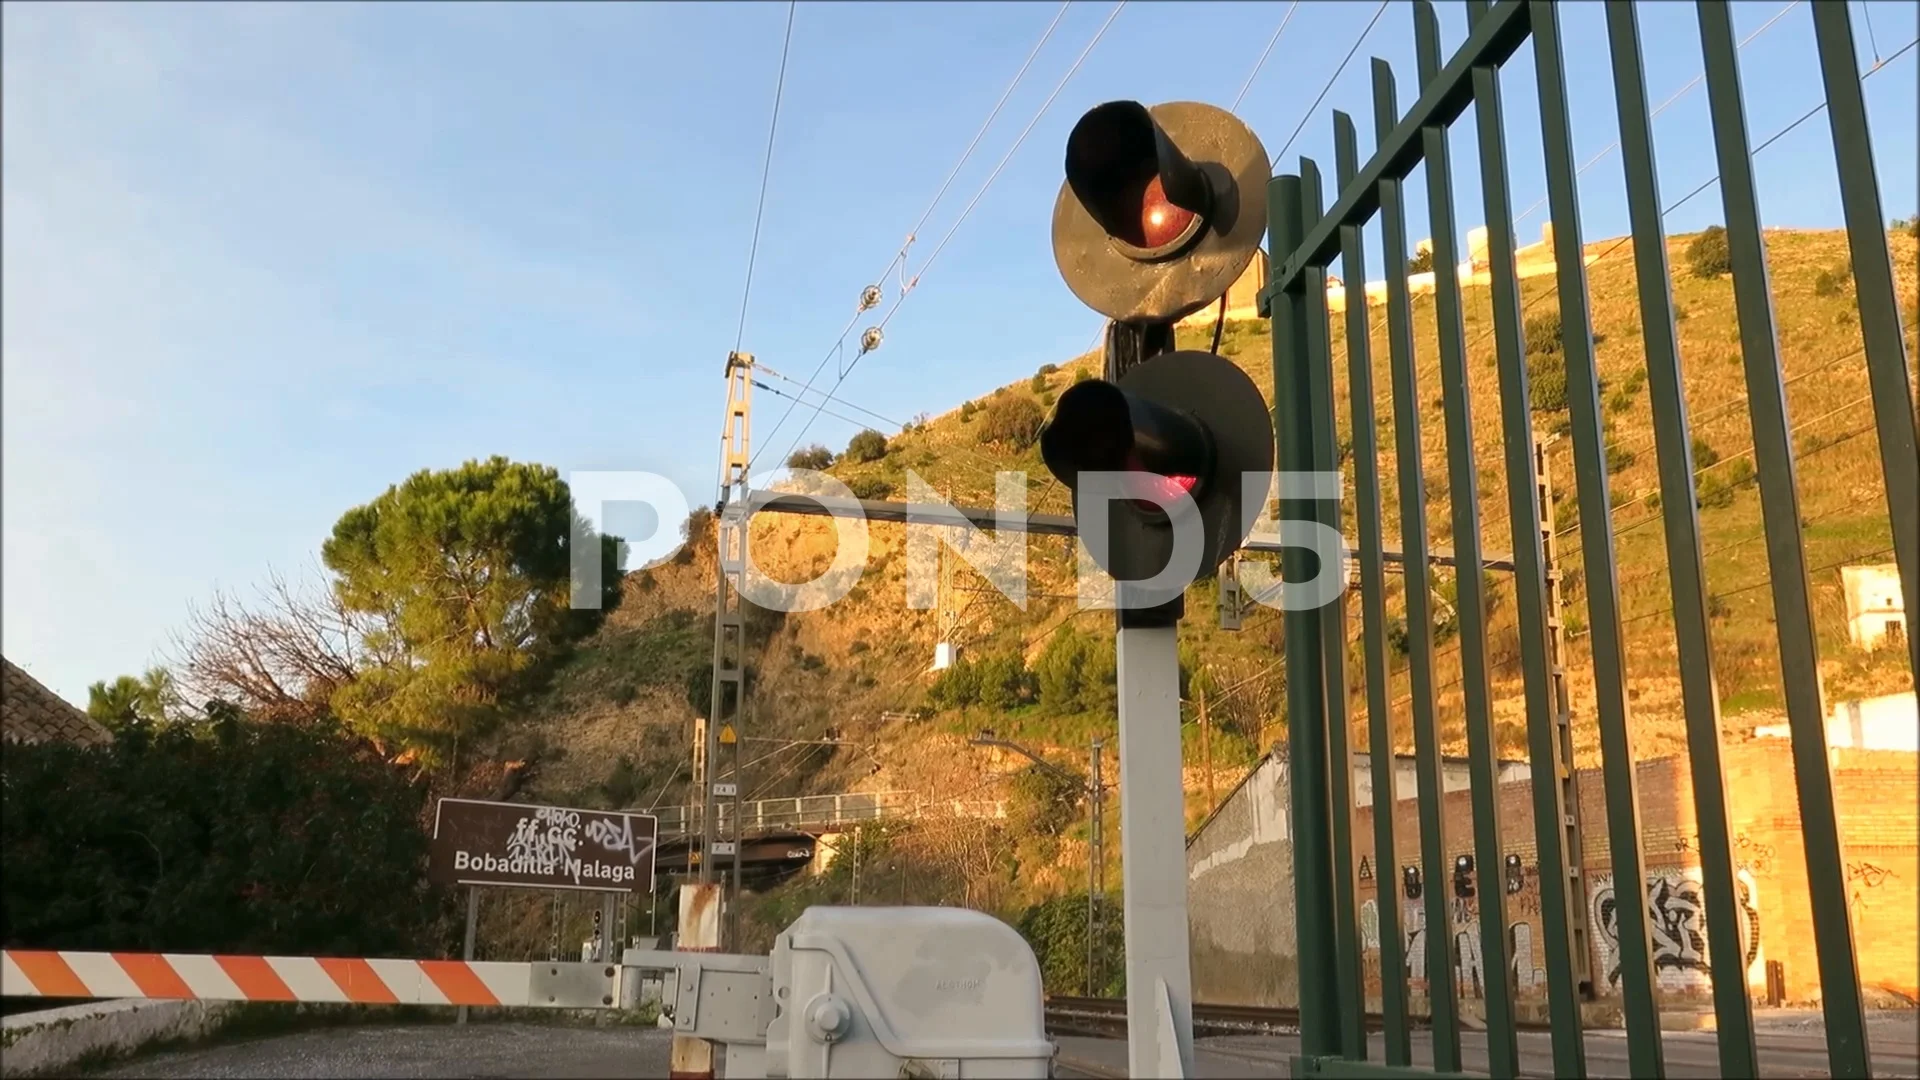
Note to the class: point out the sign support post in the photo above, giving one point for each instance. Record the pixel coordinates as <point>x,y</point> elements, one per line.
<point>473,926</point>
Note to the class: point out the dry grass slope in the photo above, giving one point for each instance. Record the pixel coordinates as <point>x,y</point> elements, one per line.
<point>837,671</point>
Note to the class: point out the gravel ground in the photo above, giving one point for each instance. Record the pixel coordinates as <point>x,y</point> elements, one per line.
<point>439,1051</point>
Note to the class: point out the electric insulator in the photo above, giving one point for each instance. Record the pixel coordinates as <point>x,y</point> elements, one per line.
<point>869,340</point>
<point>870,298</point>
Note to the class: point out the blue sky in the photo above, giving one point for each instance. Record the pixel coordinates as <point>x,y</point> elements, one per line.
<point>262,261</point>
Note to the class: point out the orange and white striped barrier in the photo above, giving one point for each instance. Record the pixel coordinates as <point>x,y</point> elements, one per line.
<point>32,973</point>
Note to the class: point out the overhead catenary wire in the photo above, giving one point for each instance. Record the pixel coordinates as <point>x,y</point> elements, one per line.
<point>1301,126</point>
<point>1500,515</point>
<point>978,195</point>
<point>766,172</point>
<point>899,256</point>
<point>1264,53</point>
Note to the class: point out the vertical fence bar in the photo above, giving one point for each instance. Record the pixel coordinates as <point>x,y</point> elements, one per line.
<point>1373,610</point>
<point>1503,1053</point>
<point>1549,767</point>
<point>1786,558</point>
<point>1437,944</point>
<point>1333,637</point>
<point>1873,289</point>
<point>1619,777</point>
<point>1294,421</point>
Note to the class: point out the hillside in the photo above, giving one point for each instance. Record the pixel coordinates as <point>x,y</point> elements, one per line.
<point>616,723</point>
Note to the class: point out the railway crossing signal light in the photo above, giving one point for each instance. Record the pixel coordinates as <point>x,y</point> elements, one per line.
<point>1161,211</point>
<point>1162,208</point>
<point>1463,877</point>
<point>1180,429</point>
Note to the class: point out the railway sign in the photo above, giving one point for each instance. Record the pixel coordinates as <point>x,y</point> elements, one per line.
<point>546,847</point>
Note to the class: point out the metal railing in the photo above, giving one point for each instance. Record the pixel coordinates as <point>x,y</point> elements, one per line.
<point>1306,239</point>
<point>810,812</point>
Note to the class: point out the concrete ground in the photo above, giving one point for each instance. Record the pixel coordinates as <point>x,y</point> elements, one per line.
<point>1791,1046</point>
<point>437,1051</point>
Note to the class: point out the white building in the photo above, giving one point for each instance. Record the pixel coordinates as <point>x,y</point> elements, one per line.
<point>1876,612</point>
<point>1888,722</point>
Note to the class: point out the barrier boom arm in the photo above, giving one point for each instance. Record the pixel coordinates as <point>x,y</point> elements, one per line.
<point>35,973</point>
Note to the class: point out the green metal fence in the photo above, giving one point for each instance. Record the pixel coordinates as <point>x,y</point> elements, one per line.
<point>1307,238</point>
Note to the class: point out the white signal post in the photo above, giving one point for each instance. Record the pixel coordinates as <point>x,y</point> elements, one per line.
<point>1153,861</point>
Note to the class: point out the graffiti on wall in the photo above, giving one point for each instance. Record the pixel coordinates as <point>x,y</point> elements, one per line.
<point>1676,909</point>
<point>1862,879</point>
<point>1525,975</point>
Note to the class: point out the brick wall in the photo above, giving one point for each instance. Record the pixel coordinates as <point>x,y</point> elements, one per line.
<point>1875,799</point>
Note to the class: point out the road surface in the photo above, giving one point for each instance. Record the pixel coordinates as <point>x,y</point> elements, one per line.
<point>1790,1047</point>
<point>438,1051</point>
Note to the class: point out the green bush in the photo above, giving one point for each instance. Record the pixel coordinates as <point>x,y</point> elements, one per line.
<point>1076,673</point>
<point>1704,455</point>
<point>1421,262</point>
<point>867,446</point>
<point>967,409</point>
<point>1048,369</point>
<point>1708,255</point>
<point>1547,381</point>
<point>1038,383</point>
<point>1057,931</point>
<point>1045,802</point>
<point>1827,283</point>
<point>1543,332</point>
<point>815,457</point>
<point>1619,458</point>
<point>217,837</point>
<point>1082,375</point>
<point>1012,421</point>
<point>869,487</point>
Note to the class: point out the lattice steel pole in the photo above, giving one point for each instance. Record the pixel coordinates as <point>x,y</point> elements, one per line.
<point>1563,728</point>
<point>729,625</point>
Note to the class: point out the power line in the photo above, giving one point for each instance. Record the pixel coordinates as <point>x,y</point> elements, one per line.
<point>978,195</point>
<point>1377,12</point>
<point>766,171</point>
<point>1264,53</point>
<point>1501,514</point>
<point>1662,107</point>
<point>965,156</point>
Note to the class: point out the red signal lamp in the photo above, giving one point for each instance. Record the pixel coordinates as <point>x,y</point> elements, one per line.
<point>1187,423</point>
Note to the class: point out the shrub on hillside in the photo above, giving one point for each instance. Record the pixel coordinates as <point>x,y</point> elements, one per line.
<point>1828,283</point>
<point>1038,383</point>
<point>1045,802</point>
<point>996,681</point>
<point>967,411</point>
<point>1708,255</point>
<point>867,446</point>
<point>1547,381</point>
<point>1422,261</point>
<point>1057,931</point>
<point>1048,369</point>
<point>1543,332</point>
<point>217,837</point>
<point>1012,421</point>
<point>814,457</point>
<point>869,487</point>
<point>1076,673</point>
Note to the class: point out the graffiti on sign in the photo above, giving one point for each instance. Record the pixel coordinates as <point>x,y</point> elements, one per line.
<point>494,843</point>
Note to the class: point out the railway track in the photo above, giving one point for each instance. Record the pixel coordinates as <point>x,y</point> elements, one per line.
<point>1107,1018</point>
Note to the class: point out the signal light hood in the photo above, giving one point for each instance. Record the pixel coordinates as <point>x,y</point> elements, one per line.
<point>1207,164</point>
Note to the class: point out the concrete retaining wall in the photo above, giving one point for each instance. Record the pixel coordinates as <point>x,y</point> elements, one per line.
<point>54,1040</point>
